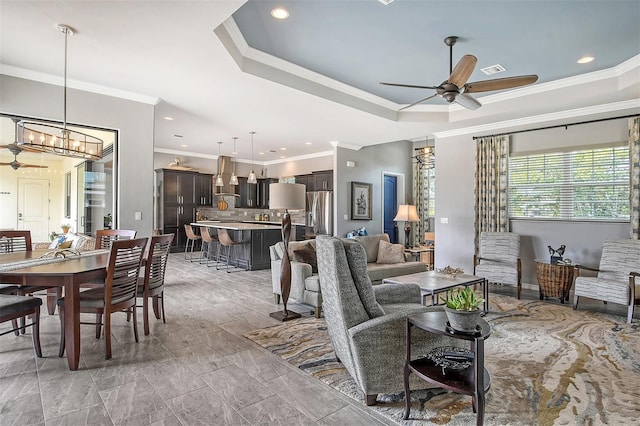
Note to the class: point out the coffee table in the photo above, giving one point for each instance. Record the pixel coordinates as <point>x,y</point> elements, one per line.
<point>433,283</point>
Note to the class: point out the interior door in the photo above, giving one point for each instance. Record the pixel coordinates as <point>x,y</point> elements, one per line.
<point>390,206</point>
<point>33,207</point>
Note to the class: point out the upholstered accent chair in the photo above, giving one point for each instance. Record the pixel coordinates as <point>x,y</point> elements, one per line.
<point>498,259</point>
<point>366,323</point>
<point>616,279</point>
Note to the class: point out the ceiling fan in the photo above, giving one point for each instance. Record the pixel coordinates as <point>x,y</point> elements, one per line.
<point>16,149</point>
<point>456,89</point>
<point>15,164</point>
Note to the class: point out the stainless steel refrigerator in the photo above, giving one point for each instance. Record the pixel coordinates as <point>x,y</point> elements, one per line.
<point>319,220</point>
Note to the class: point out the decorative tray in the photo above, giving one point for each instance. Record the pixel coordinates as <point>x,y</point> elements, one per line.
<point>451,358</point>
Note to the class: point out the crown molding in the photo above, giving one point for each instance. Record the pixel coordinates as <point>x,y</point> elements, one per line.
<point>299,157</point>
<point>76,84</point>
<point>352,147</point>
<point>542,118</point>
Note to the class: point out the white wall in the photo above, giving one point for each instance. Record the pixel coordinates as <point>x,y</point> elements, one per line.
<point>455,201</point>
<point>133,120</point>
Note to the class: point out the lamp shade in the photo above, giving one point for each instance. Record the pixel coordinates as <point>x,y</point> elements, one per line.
<point>406,213</point>
<point>287,196</point>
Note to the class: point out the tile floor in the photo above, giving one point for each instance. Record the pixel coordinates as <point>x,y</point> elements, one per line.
<point>195,369</point>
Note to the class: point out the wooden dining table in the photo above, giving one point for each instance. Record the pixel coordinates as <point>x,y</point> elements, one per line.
<point>70,273</point>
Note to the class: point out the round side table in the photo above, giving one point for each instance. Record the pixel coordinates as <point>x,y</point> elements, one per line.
<point>554,280</point>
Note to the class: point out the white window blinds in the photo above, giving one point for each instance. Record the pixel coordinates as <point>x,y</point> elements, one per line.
<point>578,185</point>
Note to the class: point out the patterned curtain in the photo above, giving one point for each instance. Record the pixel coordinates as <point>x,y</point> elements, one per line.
<point>421,201</point>
<point>634,176</point>
<point>492,164</point>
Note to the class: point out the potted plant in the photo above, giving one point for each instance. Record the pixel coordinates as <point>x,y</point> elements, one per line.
<point>65,228</point>
<point>463,309</point>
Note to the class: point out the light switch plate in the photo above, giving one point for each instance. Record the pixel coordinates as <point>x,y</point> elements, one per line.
<point>444,220</point>
<point>138,215</point>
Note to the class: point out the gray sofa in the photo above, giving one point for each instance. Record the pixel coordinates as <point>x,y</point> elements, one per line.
<point>305,284</point>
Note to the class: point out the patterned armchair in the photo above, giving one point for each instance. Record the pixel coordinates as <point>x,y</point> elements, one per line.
<point>616,279</point>
<point>366,323</point>
<point>499,259</point>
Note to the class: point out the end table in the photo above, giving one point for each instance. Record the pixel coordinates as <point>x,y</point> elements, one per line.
<point>474,380</point>
<point>555,280</point>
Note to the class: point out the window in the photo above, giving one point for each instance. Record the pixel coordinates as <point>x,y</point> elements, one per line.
<point>67,195</point>
<point>578,185</point>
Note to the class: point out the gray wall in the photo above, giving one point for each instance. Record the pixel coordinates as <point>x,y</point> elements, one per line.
<point>371,165</point>
<point>133,120</point>
<point>455,201</point>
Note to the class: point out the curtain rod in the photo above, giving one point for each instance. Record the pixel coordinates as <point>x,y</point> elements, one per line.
<point>555,127</point>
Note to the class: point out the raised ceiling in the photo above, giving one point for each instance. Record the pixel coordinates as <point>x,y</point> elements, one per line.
<point>223,68</point>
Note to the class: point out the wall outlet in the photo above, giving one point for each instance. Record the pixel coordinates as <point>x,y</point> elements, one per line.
<point>444,220</point>
<point>138,215</point>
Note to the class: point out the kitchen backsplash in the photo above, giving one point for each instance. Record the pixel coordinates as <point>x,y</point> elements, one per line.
<point>239,215</point>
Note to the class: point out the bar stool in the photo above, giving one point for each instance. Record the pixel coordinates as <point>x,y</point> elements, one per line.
<point>208,243</point>
<point>226,241</point>
<point>191,238</point>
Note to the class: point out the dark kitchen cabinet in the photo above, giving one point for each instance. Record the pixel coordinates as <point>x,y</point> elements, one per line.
<point>204,189</point>
<point>323,181</point>
<point>263,192</point>
<point>177,196</point>
<point>248,194</point>
<point>308,181</point>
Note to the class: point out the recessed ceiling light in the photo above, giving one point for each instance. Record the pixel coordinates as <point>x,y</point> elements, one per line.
<point>283,149</point>
<point>184,146</point>
<point>280,13</point>
<point>585,59</point>
<point>282,156</point>
<point>308,143</point>
<point>168,118</point>
<point>261,153</point>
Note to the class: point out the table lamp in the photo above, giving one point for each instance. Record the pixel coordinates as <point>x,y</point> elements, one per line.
<point>285,196</point>
<point>407,213</point>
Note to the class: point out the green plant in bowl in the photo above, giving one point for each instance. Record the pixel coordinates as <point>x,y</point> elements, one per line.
<point>463,299</point>
<point>463,309</point>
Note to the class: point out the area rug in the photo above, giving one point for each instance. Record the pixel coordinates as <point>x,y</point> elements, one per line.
<point>549,365</point>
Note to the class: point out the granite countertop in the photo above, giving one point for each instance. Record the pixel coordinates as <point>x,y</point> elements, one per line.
<point>236,226</point>
<point>271,222</point>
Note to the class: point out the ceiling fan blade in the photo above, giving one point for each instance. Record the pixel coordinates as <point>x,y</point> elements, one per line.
<point>500,83</point>
<point>463,70</point>
<point>33,166</point>
<point>409,85</point>
<point>468,101</point>
<point>5,164</point>
<point>419,102</point>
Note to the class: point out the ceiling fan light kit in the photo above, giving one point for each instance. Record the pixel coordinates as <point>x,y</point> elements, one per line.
<point>456,89</point>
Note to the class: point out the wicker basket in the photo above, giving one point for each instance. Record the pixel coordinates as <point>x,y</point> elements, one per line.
<point>554,280</point>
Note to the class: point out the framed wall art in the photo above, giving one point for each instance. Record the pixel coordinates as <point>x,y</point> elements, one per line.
<point>360,201</point>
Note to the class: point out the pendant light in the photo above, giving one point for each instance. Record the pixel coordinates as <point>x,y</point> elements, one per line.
<point>252,176</point>
<point>234,178</point>
<point>219,177</point>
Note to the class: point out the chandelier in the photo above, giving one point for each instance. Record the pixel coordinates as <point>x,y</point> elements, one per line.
<point>60,140</point>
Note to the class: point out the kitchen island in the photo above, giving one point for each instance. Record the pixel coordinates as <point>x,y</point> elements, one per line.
<point>256,238</point>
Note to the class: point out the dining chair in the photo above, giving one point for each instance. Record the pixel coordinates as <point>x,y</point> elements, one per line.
<point>117,294</point>
<point>151,285</point>
<point>104,237</point>
<point>191,238</point>
<point>13,307</point>
<point>17,241</point>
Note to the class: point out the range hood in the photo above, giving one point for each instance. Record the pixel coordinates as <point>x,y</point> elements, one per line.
<point>225,167</point>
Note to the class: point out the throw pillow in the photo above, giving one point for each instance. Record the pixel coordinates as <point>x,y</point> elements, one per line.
<point>65,245</point>
<point>390,253</point>
<point>306,254</point>
<point>57,241</point>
